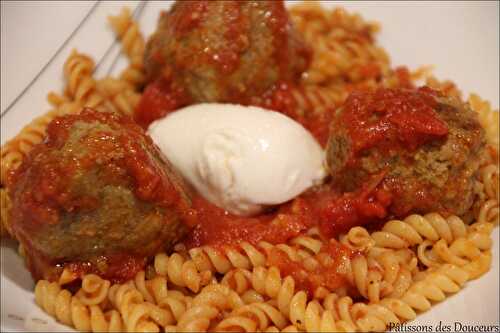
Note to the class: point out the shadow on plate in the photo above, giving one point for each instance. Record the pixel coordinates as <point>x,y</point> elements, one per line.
<point>13,267</point>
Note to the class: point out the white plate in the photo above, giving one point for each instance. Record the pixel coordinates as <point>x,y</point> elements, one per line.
<point>461,39</point>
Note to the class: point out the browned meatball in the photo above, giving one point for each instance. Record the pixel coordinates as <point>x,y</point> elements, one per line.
<point>223,51</point>
<point>95,196</point>
<point>422,148</point>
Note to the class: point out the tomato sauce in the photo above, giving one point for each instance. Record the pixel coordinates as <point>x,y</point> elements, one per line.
<point>392,119</point>
<point>333,260</point>
<point>158,99</point>
<point>280,98</point>
<point>216,227</point>
<point>336,213</point>
<point>117,268</point>
<point>323,206</point>
<point>190,18</point>
<point>219,229</point>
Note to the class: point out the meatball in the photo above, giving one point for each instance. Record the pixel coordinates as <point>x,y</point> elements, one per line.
<point>225,51</point>
<point>422,148</point>
<point>97,196</point>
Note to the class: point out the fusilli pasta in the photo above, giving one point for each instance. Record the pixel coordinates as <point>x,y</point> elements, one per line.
<point>132,44</point>
<point>398,271</point>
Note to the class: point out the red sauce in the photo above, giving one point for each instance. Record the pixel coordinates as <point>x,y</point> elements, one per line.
<point>404,77</point>
<point>337,214</point>
<point>334,213</point>
<point>281,99</point>
<point>278,98</point>
<point>159,99</point>
<point>117,268</point>
<point>392,118</point>
<point>190,18</point>
<point>369,71</point>
<point>319,126</point>
<point>333,260</point>
<point>214,226</point>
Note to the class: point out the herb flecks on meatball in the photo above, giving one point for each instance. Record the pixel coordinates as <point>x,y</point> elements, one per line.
<point>96,196</point>
<point>426,146</point>
<point>221,51</point>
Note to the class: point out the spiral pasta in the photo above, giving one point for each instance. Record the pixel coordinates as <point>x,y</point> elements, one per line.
<point>5,206</point>
<point>488,118</point>
<point>340,313</point>
<point>415,228</point>
<point>246,255</point>
<point>148,302</point>
<point>386,269</point>
<point>396,272</point>
<point>120,94</point>
<point>252,317</point>
<point>181,272</point>
<point>81,87</point>
<point>347,54</point>
<point>71,311</point>
<point>133,46</point>
<point>433,286</point>
<point>206,306</point>
<point>136,314</point>
<point>94,290</point>
<point>316,99</point>
<point>490,178</point>
<point>358,238</point>
<point>269,282</point>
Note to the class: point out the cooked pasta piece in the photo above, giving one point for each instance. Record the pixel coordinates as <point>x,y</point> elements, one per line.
<point>488,118</point>
<point>94,290</point>
<point>207,258</point>
<point>433,286</point>
<point>479,266</point>
<point>490,179</point>
<point>367,281</point>
<point>5,205</point>
<point>489,212</point>
<point>167,306</point>
<point>133,46</point>
<point>252,317</point>
<point>415,228</point>
<point>135,312</point>
<point>121,94</point>
<point>81,87</point>
<point>316,99</point>
<point>358,238</point>
<point>342,43</point>
<point>245,255</point>
<point>235,287</point>
<point>181,272</point>
<point>206,306</point>
<point>70,311</point>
